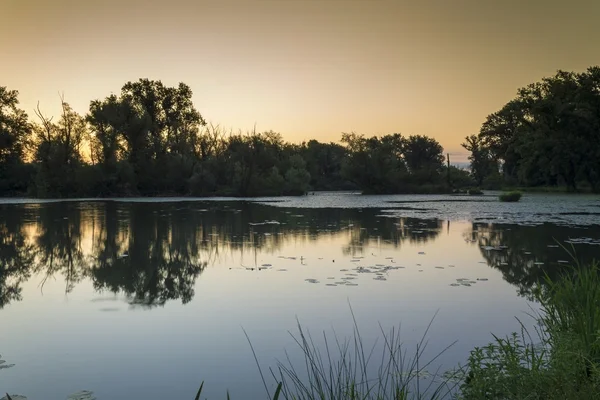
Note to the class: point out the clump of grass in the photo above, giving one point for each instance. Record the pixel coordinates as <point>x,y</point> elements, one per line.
<point>510,197</point>
<point>563,363</point>
<point>475,192</point>
<point>343,370</point>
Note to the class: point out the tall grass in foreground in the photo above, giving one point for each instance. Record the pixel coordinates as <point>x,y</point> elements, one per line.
<point>349,370</point>
<point>562,363</point>
<point>342,370</point>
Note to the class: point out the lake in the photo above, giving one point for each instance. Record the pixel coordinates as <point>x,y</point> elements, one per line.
<point>146,298</point>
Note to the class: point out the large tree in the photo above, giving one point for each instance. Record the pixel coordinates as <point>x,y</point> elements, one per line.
<point>15,134</point>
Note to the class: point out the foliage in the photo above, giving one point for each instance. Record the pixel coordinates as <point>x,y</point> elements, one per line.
<point>548,135</point>
<point>475,192</point>
<point>15,135</point>
<point>510,197</point>
<point>563,364</point>
<point>149,139</point>
<point>394,164</point>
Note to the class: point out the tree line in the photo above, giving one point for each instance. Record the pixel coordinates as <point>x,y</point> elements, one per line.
<point>151,140</point>
<point>548,135</point>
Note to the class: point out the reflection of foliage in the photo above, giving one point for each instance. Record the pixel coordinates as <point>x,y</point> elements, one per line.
<point>58,245</point>
<point>162,262</point>
<point>16,258</point>
<point>525,254</point>
<point>153,252</point>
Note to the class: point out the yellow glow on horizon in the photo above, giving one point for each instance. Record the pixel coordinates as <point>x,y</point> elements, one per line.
<point>307,69</point>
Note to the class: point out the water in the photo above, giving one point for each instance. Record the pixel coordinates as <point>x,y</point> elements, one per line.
<point>147,298</point>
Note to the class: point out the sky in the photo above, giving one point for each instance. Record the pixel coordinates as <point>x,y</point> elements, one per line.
<point>309,69</point>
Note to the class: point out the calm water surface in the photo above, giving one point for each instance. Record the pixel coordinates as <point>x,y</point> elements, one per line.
<point>145,299</point>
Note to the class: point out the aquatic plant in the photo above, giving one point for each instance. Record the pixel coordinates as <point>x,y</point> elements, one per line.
<point>343,369</point>
<point>510,196</point>
<point>564,360</point>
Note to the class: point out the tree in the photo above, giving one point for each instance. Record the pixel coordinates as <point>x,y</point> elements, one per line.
<point>483,164</point>
<point>58,152</point>
<point>423,155</point>
<point>15,134</point>
<point>549,134</point>
<point>297,177</point>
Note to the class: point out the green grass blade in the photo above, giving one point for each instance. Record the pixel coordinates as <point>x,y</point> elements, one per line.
<point>197,394</point>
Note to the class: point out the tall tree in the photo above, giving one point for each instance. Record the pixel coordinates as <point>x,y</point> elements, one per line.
<point>15,133</point>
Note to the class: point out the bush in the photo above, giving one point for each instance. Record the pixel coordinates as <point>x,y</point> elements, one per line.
<point>563,363</point>
<point>510,197</point>
<point>475,191</point>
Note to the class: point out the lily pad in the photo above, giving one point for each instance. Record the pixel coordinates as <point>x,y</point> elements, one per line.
<point>82,395</point>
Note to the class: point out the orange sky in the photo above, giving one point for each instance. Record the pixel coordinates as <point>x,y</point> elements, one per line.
<point>305,68</point>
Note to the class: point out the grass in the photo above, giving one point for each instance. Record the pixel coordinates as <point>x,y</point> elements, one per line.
<point>347,370</point>
<point>510,196</point>
<point>561,361</point>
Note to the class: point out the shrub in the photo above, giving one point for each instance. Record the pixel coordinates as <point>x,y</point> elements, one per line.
<point>510,197</point>
<point>563,363</point>
<point>474,191</point>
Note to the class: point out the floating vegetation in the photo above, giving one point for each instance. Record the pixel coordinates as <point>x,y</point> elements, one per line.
<point>455,284</point>
<point>422,253</point>
<point>331,277</point>
<point>351,284</point>
<point>482,279</point>
<point>310,280</point>
<point>266,265</point>
<point>330,284</point>
<point>265,223</point>
<point>450,266</point>
<point>82,395</point>
<point>109,309</point>
<point>343,269</point>
<point>282,269</point>
<point>348,278</point>
<point>14,397</point>
<point>380,278</point>
<point>4,365</point>
<point>465,284</point>
<point>439,267</point>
